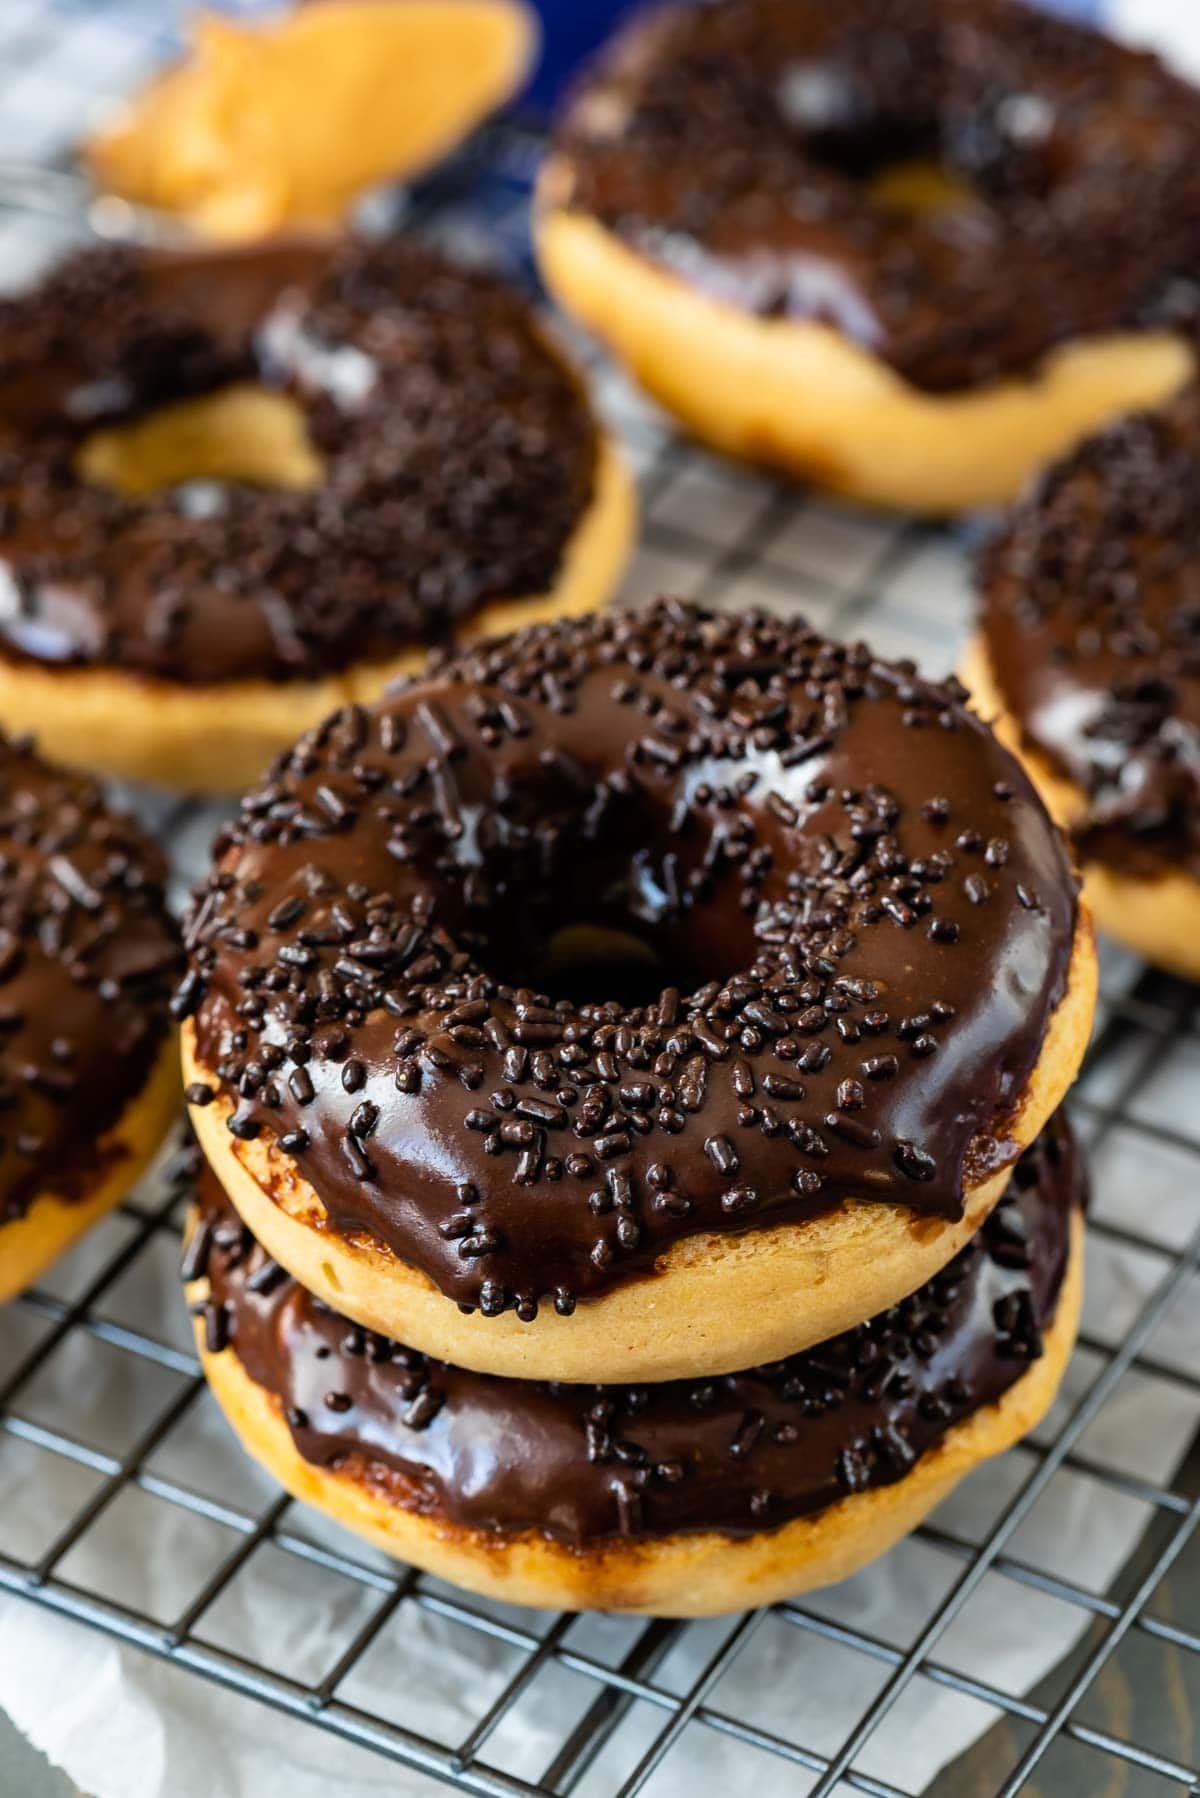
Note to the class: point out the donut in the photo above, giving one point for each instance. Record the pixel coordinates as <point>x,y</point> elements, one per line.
<point>864,984</point>
<point>684,1498</point>
<point>284,121</point>
<point>908,250</point>
<point>89,1074</point>
<point>1088,658</point>
<point>401,455</point>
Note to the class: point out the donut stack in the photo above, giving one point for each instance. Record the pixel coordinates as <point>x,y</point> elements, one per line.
<point>684,1294</point>
<point>626,1056</point>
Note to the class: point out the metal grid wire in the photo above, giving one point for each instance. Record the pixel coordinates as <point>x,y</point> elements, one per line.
<point>112,1310</point>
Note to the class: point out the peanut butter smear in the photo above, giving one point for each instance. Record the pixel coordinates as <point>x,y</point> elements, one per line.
<point>263,127</point>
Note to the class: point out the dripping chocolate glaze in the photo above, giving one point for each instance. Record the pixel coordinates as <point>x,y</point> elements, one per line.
<point>458,458</point>
<point>732,143</point>
<point>1091,619</point>
<point>863,915</point>
<point>88,958</point>
<point>741,1453</point>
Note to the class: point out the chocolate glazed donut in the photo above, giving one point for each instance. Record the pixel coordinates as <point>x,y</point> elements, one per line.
<point>88,959</point>
<point>747,126</point>
<point>866,929</point>
<point>444,1466</point>
<point>1089,649</point>
<point>461,472</point>
<point>735,158</point>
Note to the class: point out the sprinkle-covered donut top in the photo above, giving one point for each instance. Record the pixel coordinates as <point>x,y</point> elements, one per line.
<point>738,1454</point>
<point>735,144</point>
<point>861,915</point>
<point>1091,621</point>
<point>88,958</point>
<point>458,455</point>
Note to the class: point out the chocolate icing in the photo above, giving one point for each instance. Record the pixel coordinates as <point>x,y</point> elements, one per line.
<point>582,1463</point>
<point>88,958</point>
<point>1091,619</point>
<point>458,454</point>
<point>863,915</point>
<point>731,143</point>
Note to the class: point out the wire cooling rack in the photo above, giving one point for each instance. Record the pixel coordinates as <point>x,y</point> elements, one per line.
<point>106,1422</point>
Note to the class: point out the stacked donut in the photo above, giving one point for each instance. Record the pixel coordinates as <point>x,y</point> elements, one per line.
<point>673,1286</point>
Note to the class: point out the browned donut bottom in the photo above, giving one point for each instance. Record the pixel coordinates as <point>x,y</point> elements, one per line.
<point>479,1464</point>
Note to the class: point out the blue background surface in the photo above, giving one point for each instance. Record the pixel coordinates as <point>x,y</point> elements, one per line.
<point>572,28</point>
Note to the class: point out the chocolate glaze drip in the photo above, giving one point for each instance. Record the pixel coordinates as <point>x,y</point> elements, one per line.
<point>731,143</point>
<point>582,1463</point>
<point>1091,619</point>
<point>458,455</point>
<point>88,958</point>
<point>863,916</point>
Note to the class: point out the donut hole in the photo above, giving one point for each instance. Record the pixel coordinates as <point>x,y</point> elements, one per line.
<point>596,923</point>
<point>907,172</point>
<point>242,433</point>
<point>582,960</point>
<point>920,187</point>
<point>597,957</point>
